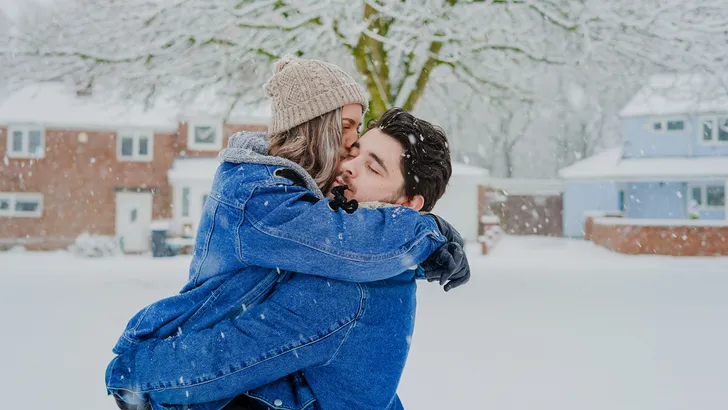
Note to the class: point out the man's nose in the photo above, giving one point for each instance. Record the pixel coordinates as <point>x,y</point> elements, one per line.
<point>348,167</point>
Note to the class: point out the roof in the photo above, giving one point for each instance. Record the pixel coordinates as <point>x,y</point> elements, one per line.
<point>57,105</point>
<point>193,169</point>
<point>609,165</point>
<point>462,169</point>
<point>520,186</point>
<point>667,94</point>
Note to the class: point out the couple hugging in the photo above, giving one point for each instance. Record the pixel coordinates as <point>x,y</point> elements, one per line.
<point>301,291</point>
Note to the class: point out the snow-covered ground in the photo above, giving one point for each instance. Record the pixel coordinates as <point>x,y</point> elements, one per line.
<point>544,324</point>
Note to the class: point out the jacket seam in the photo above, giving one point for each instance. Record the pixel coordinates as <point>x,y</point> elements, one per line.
<point>206,248</point>
<point>358,315</point>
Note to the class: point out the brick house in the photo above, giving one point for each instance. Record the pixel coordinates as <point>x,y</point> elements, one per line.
<point>76,162</point>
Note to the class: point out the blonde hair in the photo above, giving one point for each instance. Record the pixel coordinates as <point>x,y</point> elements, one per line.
<point>315,145</point>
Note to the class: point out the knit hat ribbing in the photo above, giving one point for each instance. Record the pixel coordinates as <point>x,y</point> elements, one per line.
<point>302,90</point>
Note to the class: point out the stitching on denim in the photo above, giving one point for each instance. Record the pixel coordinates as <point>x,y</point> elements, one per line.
<point>362,298</point>
<point>187,386</point>
<point>136,327</point>
<point>206,247</point>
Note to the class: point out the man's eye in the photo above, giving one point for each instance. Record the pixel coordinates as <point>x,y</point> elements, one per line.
<point>372,169</point>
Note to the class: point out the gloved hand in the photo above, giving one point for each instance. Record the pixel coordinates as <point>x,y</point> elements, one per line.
<point>449,262</point>
<point>448,265</point>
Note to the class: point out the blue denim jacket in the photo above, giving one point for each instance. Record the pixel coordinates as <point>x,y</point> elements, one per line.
<point>256,224</point>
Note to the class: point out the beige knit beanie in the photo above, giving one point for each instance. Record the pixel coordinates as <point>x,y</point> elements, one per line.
<point>302,90</point>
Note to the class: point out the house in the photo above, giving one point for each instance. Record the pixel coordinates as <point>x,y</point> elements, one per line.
<point>671,170</point>
<point>75,162</point>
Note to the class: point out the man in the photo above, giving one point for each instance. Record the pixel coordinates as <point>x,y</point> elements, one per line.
<point>350,340</point>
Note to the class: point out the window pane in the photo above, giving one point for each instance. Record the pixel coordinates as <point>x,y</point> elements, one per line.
<point>697,195</point>
<point>26,205</point>
<point>143,146</point>
<point>4,204</point>
<point>204,200</point>
<point>657,126</point>
<point>675,125</point>
<point>185,202</point>
<point>17,141</point>
<point>127,146</point>
<point>708,130</point>
<point>205,134</point>
<point>716,195</point>
<point>723,130</point>
<point>35,142</point>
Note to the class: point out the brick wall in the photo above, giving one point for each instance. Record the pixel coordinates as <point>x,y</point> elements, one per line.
<point>79,182</point>
<point>660,240</point>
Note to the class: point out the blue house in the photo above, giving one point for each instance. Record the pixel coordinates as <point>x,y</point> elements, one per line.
<point>673,163</point>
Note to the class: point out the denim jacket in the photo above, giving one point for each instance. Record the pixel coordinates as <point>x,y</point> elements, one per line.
<point>257,223</point>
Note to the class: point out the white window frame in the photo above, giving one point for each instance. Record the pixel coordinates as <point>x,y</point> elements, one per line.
<point>703,206</point>
<point>13,199</point>
<point>25,129</point>
<point>714,140</point>
<point>136,136</point>
<point>664,121</point>
<point>196,146</point>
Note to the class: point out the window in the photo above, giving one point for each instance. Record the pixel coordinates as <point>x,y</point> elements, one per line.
<point>708,196</point>
<point>204,136</point>
<point>21,204</point>
<point>668,125</point>
<point>677,125</point>
<point>185,201</point>
<point>204,200</point>
<point>26,142</point>
<point>714,130</point>
<point>135,145</point>
<point>622,200</point>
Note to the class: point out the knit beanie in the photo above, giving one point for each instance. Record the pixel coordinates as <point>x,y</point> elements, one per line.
<point>302,90</point>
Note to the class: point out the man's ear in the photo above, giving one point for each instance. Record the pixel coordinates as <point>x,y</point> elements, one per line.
<point>416,202</point>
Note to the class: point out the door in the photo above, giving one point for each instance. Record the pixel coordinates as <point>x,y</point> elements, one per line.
<point>133,220</point>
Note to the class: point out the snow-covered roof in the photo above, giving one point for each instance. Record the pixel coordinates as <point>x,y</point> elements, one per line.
<point>57,105</point>
<point>520,186</point>
<point>193,169</point>
<point>666,94</point>
<point>609,165</point>
<point>462,169</point>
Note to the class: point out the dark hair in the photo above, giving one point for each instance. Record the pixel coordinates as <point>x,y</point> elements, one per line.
<point>426,163</point>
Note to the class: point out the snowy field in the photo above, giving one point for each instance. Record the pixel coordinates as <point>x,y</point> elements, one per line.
<point>544,324</point>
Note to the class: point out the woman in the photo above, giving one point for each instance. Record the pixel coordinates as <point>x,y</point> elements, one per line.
<point>264,215</point>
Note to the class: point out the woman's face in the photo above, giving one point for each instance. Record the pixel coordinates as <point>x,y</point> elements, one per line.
<point>351,118</point>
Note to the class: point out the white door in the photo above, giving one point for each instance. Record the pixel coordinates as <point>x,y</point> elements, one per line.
<point>133,220</point>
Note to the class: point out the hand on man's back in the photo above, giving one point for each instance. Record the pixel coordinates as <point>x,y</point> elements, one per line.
<point>448,264</point>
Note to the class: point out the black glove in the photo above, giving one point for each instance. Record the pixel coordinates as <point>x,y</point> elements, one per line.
<point>449,262</point>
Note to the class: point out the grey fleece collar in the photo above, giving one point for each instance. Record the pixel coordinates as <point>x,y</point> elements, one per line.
<point>252,148</point>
